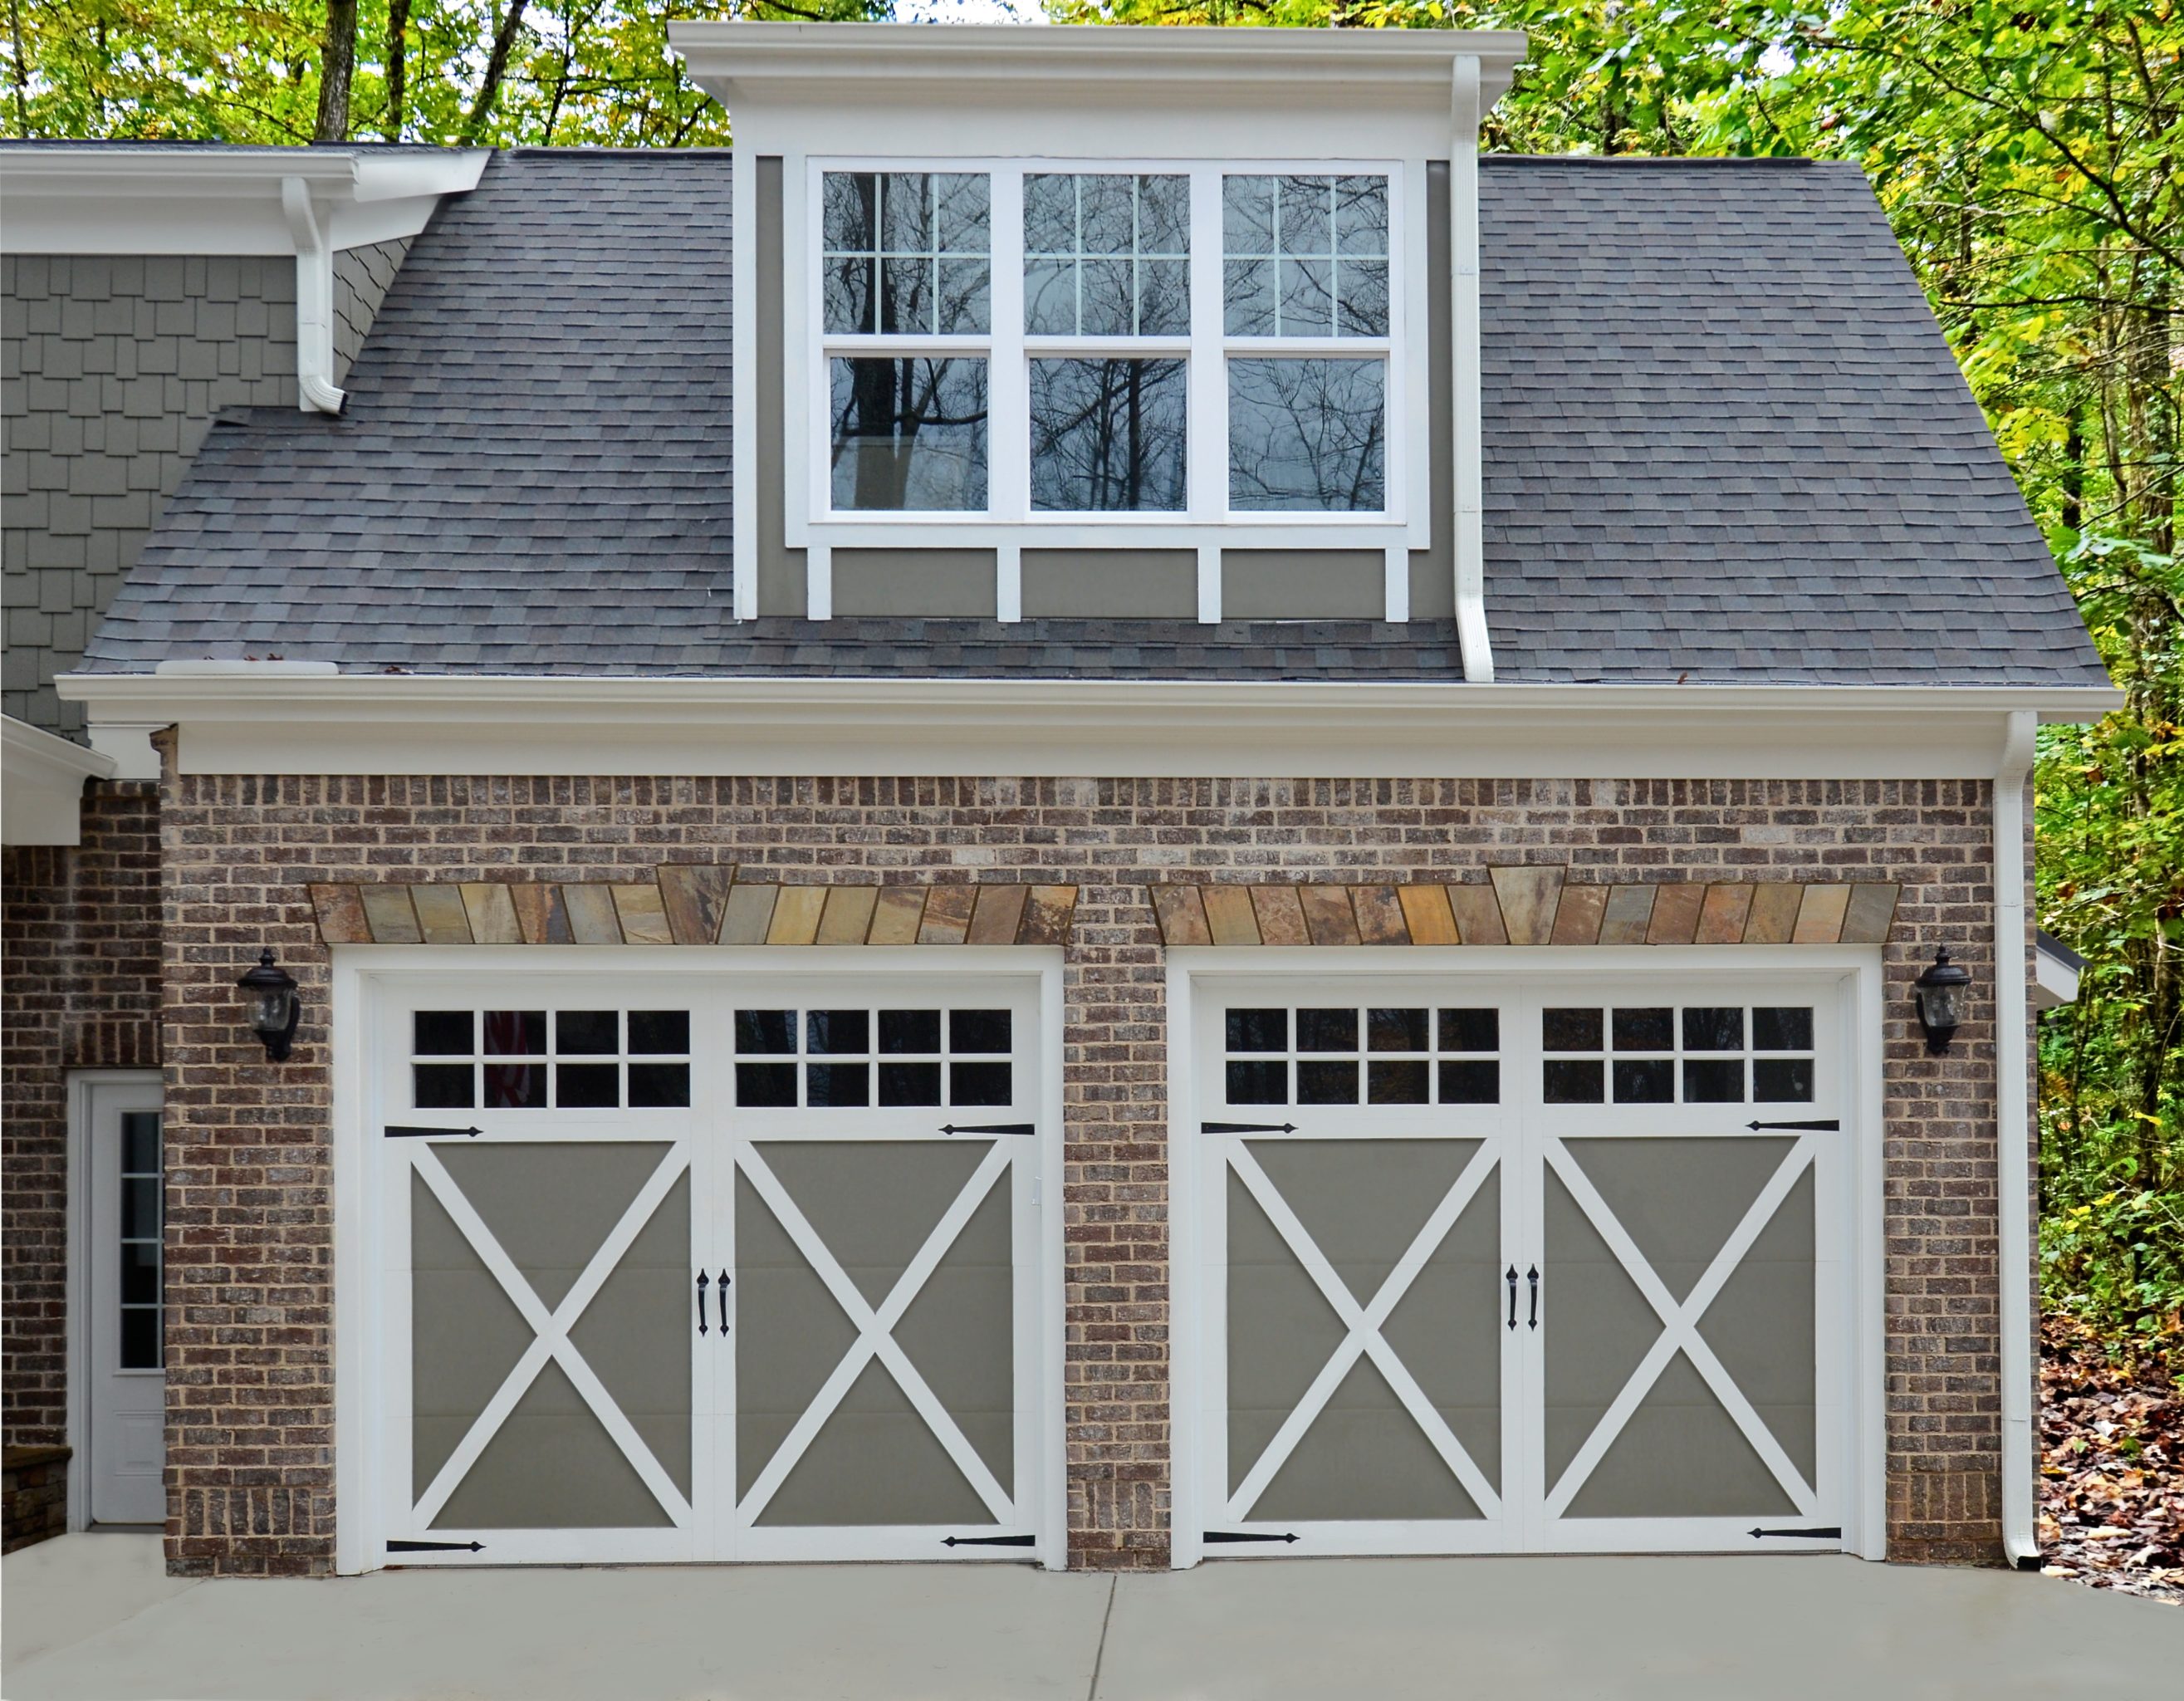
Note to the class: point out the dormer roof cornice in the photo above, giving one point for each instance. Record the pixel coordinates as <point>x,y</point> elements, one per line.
<point>797,62</point>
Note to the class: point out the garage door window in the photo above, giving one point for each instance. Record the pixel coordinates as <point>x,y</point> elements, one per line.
<point>551,1059</point>
<point>1398,1055</point>
<point>849,1059</point>
<point>1689,1054</point>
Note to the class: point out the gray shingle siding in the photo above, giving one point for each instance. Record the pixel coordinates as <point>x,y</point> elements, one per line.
<point>113,367</point>
<point>361,278</point>
<point>1723,439</point>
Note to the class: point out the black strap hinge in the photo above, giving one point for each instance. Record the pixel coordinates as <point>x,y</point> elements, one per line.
<point>988,1127</point>
<point>1832,1533</point>
<point>396,1130</point>
<point>435,1546</point>
<point>1247,1127</point>
<point>1828,1125</point>
<point>989,1540</point>
<point>1248,1536</point>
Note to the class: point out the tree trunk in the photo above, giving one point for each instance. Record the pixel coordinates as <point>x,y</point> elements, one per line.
<point>398,66</point>
<point>496,68</point>
<point>336,65</point>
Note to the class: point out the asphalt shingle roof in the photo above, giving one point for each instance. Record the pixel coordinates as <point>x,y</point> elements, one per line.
<point>1724,438</point>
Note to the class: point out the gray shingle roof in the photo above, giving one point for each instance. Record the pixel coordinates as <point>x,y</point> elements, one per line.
<point>1724,438</point>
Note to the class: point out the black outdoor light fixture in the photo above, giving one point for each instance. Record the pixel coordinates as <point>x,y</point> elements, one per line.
<point>1939,993</point>
<point>274,1005</point>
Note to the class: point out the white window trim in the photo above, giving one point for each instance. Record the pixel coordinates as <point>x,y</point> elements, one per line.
<point>1207,523</point>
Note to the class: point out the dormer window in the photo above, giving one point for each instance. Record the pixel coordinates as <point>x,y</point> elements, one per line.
<point>1045,350</point>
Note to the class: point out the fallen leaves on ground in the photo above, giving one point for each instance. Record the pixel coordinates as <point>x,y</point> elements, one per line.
<point>2111,1467</point>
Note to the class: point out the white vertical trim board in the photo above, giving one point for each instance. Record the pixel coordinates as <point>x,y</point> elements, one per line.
<point>742,443</point>
<point>1465,113</point>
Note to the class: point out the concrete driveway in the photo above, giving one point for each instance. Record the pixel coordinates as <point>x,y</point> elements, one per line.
<point>93,1617</point>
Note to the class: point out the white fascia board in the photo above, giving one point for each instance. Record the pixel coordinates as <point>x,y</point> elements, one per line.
<point>965,60</point>
<point>443,724</point>
<point>41,784</point>
<point>95,200</point>
<point>2055,982</point>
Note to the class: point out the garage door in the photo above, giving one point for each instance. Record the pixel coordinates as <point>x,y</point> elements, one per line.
<point>1493,1269</point>
<point>751,1272</point>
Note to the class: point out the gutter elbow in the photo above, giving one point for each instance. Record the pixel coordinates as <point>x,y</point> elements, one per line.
<point>315,395</point>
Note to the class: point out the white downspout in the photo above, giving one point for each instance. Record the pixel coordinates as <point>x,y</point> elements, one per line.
<point>2020,1539</point>
<point>1464,115</point>
<point>314,303</point>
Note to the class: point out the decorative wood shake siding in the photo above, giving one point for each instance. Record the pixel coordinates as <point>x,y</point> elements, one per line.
<point>81,938</point>
<point>251,1399</point>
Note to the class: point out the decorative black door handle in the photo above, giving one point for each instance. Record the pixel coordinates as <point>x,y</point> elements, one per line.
<point>1532,1275</point>
<point>702,1285</point>
<point>723,1292</point>
<point>1513,1295</point>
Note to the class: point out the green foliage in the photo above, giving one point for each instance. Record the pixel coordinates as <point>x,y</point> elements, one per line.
<point>2026,153</point>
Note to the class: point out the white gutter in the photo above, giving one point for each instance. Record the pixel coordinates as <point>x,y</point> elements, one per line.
<point>2020,1539</point>
<point>314,302</point>
<point>1466,108</point>
<point>41,784</point>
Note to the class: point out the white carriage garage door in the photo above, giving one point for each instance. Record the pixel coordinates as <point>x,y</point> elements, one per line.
<point>1485,1266</point>
<point>749,1270</point>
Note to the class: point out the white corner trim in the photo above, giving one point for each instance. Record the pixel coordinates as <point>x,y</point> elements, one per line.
<point>41,784</point>
<point>1467,106</point>
<point>314,302</point>
<point>105,200</point>
<point>2020,1538</point>
<point>269,722</point>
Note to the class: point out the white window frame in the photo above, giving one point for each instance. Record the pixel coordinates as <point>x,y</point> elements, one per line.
<point>1009,520</point>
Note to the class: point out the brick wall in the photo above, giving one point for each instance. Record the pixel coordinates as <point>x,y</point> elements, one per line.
<point>251,1398</point>
<point>80,931</point>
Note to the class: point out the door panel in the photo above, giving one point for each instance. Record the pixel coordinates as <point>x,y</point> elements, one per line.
<point>752,1277</point>
<point>127,1374</point>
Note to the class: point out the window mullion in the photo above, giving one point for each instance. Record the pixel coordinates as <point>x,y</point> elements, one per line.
<point>1009,378</point>
<point>1208,472</point>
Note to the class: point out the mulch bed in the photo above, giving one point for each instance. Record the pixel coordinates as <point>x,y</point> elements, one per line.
<point>2111,1467</point>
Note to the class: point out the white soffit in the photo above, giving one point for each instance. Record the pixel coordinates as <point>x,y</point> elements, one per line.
<point>443,724</point>
<point>41,784</point>
<point>1126,90</point>
<point>125,199</point>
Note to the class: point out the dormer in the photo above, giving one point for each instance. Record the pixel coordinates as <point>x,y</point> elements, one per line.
<point>1105,322</point>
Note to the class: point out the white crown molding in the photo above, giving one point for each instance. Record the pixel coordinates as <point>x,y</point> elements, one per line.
<point>41,784</point>
<point>96,199</point>
<point>848,60</point>
<point>451,724</point>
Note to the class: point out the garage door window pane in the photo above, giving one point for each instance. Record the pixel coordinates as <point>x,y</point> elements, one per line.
<point>587,1087</point>
<point>1322,1083</point>
<point>659,1086</point>
<point>1402,1083</point>
<point>1782,1080</point>
<point>910,1084</point>
<point>839,1033</point>
<point>587,1031</point>
<point>515,1086</point>
<point>769,1086</point>
<point>1782,1029</point>
<point>1326,1030</point>
<point>655,1033</point>
<point>1571,1081</point>
<point>446,1086</point>
<point>1471,1030</point>
<point>445,1033</point>
<point>1258,1083</point>
<point>516,1032</point>
<point>766,1033</point>
<point>979,1030</point>
<point>1714,1080</point>
<point>1645,1081</point>
<point>1470,1083</point>
<point>1707,1029</point>
<point>837,1086</point>
<point>1570,1030</point>
<point>1645,1030</point>
<point>979,1083</point>
<point>1396,1030</point>
<point>1258,1030</point>
<point>910,1030</point>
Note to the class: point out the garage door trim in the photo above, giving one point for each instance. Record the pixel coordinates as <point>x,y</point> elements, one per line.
<point>1856,975</point>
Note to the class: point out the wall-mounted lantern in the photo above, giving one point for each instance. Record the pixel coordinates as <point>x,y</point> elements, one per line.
<point>1940,994</point>
<point>274,1005</point>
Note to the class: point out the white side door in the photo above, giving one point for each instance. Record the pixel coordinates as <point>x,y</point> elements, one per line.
<point>126,1407</point>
